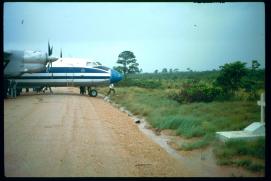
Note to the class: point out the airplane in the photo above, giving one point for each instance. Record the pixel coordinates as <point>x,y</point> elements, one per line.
<point>33,69</point>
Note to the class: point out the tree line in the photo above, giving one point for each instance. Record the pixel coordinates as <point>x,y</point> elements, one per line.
<point>195,86</point>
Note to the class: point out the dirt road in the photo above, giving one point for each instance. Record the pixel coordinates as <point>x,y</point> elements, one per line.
<point>73,135</point>
<point>67,134</point>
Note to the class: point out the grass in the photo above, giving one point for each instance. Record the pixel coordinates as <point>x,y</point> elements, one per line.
<point>199,120</point>
<point>239,153</point>
<point>254,148</point>
<point>198,144</point>
<point>188,120</point>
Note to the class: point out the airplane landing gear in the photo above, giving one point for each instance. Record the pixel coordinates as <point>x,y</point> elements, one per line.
<point>92,92</point>
<point>11,89</point>
<point>18,91</point>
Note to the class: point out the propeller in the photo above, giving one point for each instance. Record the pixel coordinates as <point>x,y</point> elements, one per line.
<point>50,58</point>
<point>50,52</point>
<point>50,49</point>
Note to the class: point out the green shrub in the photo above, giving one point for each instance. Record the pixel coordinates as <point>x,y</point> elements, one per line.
<point>195,92</point>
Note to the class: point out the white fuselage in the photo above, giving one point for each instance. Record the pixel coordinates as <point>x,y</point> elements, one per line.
<point>68,72</point>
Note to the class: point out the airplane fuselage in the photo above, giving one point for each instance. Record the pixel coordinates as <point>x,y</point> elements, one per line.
<point>70,72</point>
<point>66,76</point>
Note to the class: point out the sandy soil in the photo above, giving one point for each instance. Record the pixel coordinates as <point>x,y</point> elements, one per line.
<point>69,135</point>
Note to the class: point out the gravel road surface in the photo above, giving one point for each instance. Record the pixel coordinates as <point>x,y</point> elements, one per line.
<point>69,135</point>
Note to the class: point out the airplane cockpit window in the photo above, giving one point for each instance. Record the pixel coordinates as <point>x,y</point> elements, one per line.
<point>97,65</point>
<point>91,64</point>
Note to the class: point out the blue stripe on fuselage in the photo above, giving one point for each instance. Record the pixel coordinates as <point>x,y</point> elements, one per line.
<point>73,70</point>
<point>64,77</point>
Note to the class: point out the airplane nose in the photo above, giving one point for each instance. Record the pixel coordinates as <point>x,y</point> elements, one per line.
<point>115,76</point>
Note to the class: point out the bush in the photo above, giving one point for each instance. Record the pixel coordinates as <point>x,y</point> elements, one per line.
<point>195,92</point>
<point>149,84</point>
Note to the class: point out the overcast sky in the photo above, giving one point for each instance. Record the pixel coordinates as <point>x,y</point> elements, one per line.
<point>199,36</point>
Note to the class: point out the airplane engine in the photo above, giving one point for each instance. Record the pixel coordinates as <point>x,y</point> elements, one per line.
<point>34,67</point>
<point>17,62</point>
<point>35,57</point>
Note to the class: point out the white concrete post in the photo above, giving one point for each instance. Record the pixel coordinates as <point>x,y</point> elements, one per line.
<point>262,104</point>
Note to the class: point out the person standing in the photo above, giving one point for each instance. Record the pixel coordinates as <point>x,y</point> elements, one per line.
<point>111,88</point>
<point>81,90</point>
<point>84,90</point>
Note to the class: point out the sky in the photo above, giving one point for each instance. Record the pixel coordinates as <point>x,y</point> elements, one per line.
<point>199,36</point>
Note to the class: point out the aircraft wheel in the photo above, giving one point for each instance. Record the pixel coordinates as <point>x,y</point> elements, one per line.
<point>93,93</point>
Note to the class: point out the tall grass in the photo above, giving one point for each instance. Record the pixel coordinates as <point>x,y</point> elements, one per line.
<point>237,153</point>
<point>188,120</point>
<point>254,148</point>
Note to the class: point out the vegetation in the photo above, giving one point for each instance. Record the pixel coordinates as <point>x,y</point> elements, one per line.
<point>230,76</point>
<point>233,81</point>
<point>128,63</point>
<point>188,120</point>
<point>195,92</point>
<point>238,152</point>
<point>198,104</point>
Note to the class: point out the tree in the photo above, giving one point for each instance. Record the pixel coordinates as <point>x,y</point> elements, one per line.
<point>255,65</point>
<point>176,70</point>
<point>189,70</point>
<point>251,82</point>
<point>229,78</point>
<point>164,70</point>
<point>118,68</point>
<point>128,63</point>
<point>156,71</point>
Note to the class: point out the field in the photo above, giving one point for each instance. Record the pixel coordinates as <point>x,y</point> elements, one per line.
<point>149,96</point>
